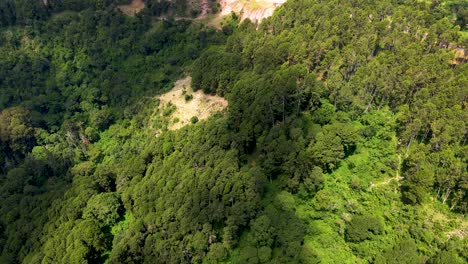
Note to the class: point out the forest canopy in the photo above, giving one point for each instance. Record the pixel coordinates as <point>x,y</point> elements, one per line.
<point>344,140</point>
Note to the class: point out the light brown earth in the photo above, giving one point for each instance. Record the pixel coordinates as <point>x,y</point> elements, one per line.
<point>133,8</point>
<point>201,106</point>
<point>255,10</point>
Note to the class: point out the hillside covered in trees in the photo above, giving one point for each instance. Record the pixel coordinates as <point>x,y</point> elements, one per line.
<point>344,139</point>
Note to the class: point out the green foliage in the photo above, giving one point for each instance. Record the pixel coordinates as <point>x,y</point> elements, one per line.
<point>193,119</point>
<point>362,227</point>
<point>344,140</point>
<point>214,70</point>
<point>179,8</point>
<point>188,97</point>
<point>419,180</point>
<point>103,207</point>
<point>446,256</point>
<point>314,182</point>
<point>327,150</point>
<point>325,114</point>
<point>16,132</point>
<point>169,109</point>
<point>404,251</point>
<point>276,236</point>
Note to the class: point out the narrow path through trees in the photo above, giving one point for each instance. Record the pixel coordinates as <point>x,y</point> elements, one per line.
<point>397,177</point>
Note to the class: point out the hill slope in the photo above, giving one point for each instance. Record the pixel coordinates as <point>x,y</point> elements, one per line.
<point>343,139</point>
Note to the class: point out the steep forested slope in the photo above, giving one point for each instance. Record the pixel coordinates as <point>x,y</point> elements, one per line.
<point>344,140</point>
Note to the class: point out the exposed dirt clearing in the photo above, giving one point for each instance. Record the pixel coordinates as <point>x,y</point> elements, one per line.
<point>255,10</point>
<point>132,9</point>
<point>201,105</point>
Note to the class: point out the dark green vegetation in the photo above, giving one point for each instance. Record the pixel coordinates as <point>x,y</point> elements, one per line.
<point>344,140</point>
<point>179,8</point>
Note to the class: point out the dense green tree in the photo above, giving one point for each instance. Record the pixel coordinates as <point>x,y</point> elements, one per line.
<point>420,178</point>
<point>338,111</point>
<point>363,227</point>
<point>326,150</point>
<point>104,207</point>
<point>16,133</point>
<point>404,251</point>
<point>446,257</point>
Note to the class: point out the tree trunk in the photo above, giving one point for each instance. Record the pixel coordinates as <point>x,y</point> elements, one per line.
<point>408,146</point>
<point>372,99</point>
<point>447,194</point>
<point>283,109</point>
<point>425,133</point>
<point>272,115</point>
<point>453,205</point>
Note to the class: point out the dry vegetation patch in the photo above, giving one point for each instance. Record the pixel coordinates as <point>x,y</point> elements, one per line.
<point>461,232</point>
<point>189,104</point>
<point>461,55</point>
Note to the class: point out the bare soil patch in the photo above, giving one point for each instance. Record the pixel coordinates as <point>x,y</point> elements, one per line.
<point>133,8</point>
<point>201,105</point>
<point>255,10</point>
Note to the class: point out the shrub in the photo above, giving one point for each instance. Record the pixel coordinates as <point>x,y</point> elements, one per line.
<point>188,97</point>
<point>362,227</point>
<point>103,207</point>
<point>169,109</point>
